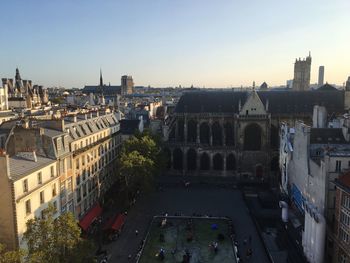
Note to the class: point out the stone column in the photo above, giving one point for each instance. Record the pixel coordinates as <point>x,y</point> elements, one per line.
<point>223,133</point>
<point>185,129</point>
<point>211,161</point>
<point>210,133</point>
<point>177,130</point>
<point>184,160</point>
<point>224,164</point>
<point>198,132</point>
<point>171,160</point>
<point>198,161</point>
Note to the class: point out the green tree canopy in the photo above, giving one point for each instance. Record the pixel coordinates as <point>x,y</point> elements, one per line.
<point>56,240</point>
<point>14,256</point>
<point>140,160</point>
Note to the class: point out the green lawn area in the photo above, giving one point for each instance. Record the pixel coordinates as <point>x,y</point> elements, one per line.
<point>176,233</point>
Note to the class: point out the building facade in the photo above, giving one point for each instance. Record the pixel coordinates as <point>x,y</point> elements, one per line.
<point>29,181</point>
<point>302,69</point>
<point>69,162</point>
<point>235,133</point>
<point>127,86</point>
<point>320,76</point>
<point>339,243</point>
<point>23,94</point>
<point>311,159</point>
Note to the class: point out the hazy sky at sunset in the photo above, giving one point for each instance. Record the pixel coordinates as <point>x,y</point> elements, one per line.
<point>173,42</point>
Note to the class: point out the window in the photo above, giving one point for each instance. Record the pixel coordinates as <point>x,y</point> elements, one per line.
<point>59,144</point>
<point>83,160</point>
<point>28,207</point>
<point>343,235</point>
<point>52,171</point>
<point>84,175</point>
<point>345,217</point>
<point>345,201</point>
<point>54,191</point>
<point>40,179</point>
<point>342,257</point>
<point>78,179</point>
<point>338,166</point>
<point>54,203</point>
<point>69,163</point>
<point>42,197</point>
<point>77,163</point>
<point>25,185</point>
<point>69,184</point>
<point>78,195</point>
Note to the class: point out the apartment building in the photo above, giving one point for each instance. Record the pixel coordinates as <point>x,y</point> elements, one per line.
<point>95,142</point>
<point>29,181</point>
<point>69,162</point>
<point>311,159</point>
<point>338,246</point>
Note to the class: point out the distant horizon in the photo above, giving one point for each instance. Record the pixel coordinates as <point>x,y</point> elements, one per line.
<point>170,43</point>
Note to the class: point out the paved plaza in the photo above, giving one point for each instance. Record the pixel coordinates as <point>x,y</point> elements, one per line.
<point>204,200</point>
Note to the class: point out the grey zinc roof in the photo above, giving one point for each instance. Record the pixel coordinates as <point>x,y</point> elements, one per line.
<point>53,133</point>
<point>20,167</point>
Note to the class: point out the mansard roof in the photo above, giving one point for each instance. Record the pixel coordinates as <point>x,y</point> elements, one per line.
<point>280,102</point>
<point>327,136</point>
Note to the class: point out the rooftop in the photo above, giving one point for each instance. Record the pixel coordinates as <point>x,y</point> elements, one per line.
<point>344,182</point>
<point>280,102</point>
<point>20,167</point>
<point>327,136</point>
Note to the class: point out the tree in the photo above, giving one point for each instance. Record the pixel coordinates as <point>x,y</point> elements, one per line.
<point>140,160</point>
<point>56,240</point>
<point>136,170</point>
<point>14,256</point>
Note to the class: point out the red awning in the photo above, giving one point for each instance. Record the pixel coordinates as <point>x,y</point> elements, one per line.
<point>94,212</point>
<point>119,222</point>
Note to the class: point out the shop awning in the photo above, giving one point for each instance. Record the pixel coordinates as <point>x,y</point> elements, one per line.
<point>118,222</point>
<point>93,213</point>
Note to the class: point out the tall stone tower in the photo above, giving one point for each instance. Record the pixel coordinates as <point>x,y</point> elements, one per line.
<point>320,76</point>
<point>302,69</point>
<point>127,85</point>
<point>347,95</point>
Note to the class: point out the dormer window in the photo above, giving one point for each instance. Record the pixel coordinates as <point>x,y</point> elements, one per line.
<point>58,144</point>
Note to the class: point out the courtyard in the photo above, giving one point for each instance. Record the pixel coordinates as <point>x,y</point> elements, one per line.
<point>195,239</point>
<point>213,201</point>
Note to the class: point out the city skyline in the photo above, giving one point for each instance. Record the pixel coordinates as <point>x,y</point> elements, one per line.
<point>167,43</point>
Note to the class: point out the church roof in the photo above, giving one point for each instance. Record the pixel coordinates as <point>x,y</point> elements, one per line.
<point>210,101</point>
<point>280,102</point>
<point>327,87</point>
<point>106,89</point>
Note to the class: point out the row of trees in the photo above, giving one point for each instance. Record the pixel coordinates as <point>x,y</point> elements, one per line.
<point>56,240</point>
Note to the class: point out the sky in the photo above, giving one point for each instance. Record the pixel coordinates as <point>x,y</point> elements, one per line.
<point>207,43</point>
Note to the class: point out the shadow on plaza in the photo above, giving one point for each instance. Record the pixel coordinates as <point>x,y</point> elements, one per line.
<point>282,241</point>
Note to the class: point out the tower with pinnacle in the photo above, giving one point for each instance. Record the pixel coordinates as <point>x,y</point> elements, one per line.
<point>302,69</point>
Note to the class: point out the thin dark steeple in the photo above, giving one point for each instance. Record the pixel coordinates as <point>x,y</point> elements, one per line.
<point>101,79</point>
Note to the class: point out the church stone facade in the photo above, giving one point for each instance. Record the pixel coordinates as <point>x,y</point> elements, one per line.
<point>235,133</point>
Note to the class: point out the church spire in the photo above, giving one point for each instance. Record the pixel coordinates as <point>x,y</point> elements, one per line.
<point>101,79</point>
